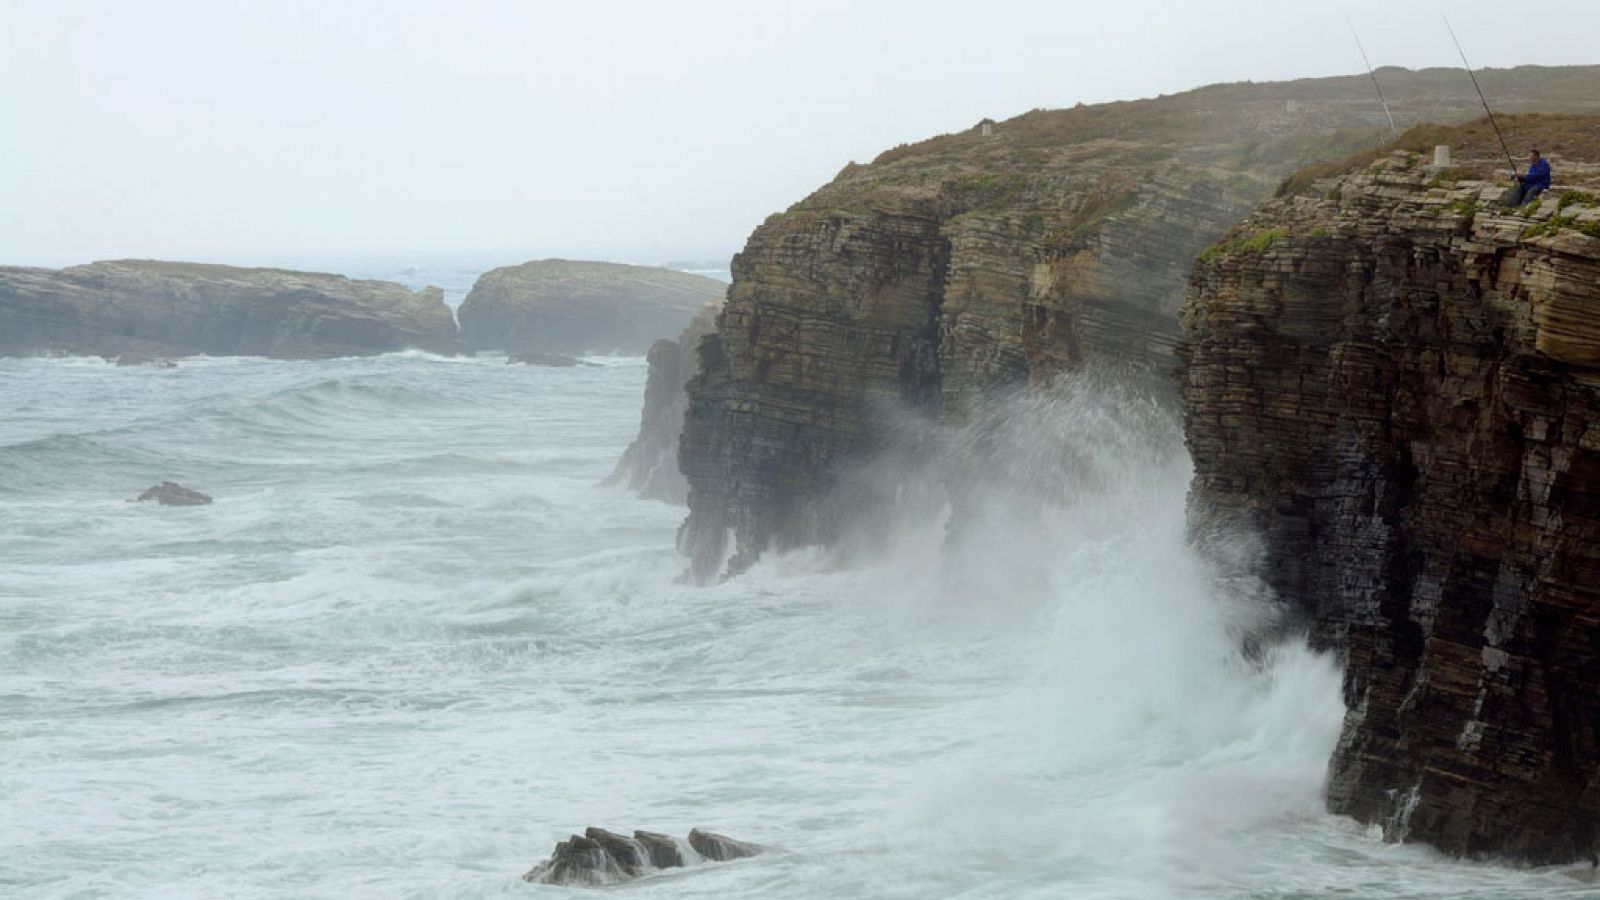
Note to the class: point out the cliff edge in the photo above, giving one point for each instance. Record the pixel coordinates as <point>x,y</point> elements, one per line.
<point>1395,382</point>
<point>973,263</point>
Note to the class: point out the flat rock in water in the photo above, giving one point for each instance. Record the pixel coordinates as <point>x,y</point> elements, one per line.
<point>169,493</point>
<point>134,359</point>
<point>537,358</point>
<point>717,848</point>
<point>600,857</point>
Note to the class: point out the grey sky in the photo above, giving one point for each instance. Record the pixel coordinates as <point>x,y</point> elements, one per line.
<point>273,131</point>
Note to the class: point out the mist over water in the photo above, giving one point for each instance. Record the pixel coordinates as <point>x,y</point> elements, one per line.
<point>413,644</point>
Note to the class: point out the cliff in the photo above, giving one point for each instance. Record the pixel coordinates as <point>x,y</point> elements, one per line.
<point>951,269</point>
<point>1395,383</point>
<point>149,308</point>
<point>650,464</point>
<point>573,307</point>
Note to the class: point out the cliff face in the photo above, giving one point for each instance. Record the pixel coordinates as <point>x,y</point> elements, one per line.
<point>650,464</point>
<point>148,308</point>
<point>973,262</point>
<point>1396,384</point>
<point>566,306</point>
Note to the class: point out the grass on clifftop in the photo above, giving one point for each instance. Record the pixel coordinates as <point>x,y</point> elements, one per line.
<point>1560,136</point>
<point>1258,242</point>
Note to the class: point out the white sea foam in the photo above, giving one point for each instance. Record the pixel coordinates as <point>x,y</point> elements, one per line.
<point>413,644</point>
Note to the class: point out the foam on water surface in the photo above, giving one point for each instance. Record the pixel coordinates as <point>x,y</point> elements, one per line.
<point>412,645</point>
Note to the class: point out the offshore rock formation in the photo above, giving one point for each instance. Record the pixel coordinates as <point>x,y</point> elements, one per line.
<point>170,493</point>
<point>600,857</point>
<point>921,284</point>
<point>151,309</point>
<point>1396,383</point>
<point>574,307</point>
<point>650,464</point>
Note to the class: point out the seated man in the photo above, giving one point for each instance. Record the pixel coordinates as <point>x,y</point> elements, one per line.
<point>1536,182</point>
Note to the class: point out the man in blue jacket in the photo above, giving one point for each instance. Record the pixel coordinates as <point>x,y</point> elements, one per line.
<point>1536,182</point>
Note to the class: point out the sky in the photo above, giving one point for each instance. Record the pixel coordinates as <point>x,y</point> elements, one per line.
<point>284,131</point>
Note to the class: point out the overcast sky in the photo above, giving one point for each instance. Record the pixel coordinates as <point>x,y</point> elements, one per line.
<point>253,131</point>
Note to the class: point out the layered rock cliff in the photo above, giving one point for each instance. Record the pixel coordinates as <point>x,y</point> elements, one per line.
<point>650,464</point>
<point>975,262</point>
<point>144,308</point>
<point>1395,383</point>
<point>575,307</point>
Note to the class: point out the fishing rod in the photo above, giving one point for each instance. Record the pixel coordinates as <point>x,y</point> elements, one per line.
<point>1375,85</point>
<point>1492,123</point>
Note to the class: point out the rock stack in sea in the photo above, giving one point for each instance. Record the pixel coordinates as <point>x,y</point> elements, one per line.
<point>650,464</point>
<point>948,271</point>
<point>138,309</point>
<point>1395,383</point>
<point>575,307</point>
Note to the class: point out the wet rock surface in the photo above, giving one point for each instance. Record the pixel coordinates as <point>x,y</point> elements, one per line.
<point>145,309</point>
<point>169,493</point>
<point>1394,383</point>
<point>600,857</point>
<point>574,307</point>
<point>914,289</point>
<point>536,358</point>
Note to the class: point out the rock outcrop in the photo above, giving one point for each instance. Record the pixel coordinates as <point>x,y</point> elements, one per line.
<point>650,464</point>
<point>600,857</point>
<point>170,493</point>
<point>971,263</point>
<point>576,307</point>
<point>145,308</point>
<point>1395,383</point>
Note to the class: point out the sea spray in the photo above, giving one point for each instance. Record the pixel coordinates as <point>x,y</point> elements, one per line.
<point>413,644</point>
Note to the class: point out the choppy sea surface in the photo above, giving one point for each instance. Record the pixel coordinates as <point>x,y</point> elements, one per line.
<point>414,643</point>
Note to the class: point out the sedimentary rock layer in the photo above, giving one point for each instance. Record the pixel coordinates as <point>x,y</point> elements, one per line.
<point>650,464</point>
<point>144,308</point>
<point>919,285</point>
<point>1396,384</point>
<point>575,307</point>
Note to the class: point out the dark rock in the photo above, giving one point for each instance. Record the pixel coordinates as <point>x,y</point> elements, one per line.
<point>134,359</point>
<point>145,309</point>
<point>576,307</point>
<point>921,285</point>
<point>663,849</point>
<point>1396,384</point>
<point>601,857</point>
<point>716,848</point>
<point>169,493</point>
<point>578,861</point>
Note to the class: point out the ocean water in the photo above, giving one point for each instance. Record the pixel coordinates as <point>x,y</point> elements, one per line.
<point>414,643</point>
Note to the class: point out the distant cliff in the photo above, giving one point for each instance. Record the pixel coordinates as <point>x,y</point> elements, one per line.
<point>973,262</point>
<point>149,308</point>
<point>1396,383</point>
<point>572,307</point>
<point>650,464</point>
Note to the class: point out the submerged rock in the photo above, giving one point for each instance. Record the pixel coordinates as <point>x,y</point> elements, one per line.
<point>600,857</point>
<point>536,358</point>
<point>169,493</point>
<point>135,359</point>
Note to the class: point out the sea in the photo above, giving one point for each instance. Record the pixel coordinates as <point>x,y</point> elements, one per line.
<point>415,642</point>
